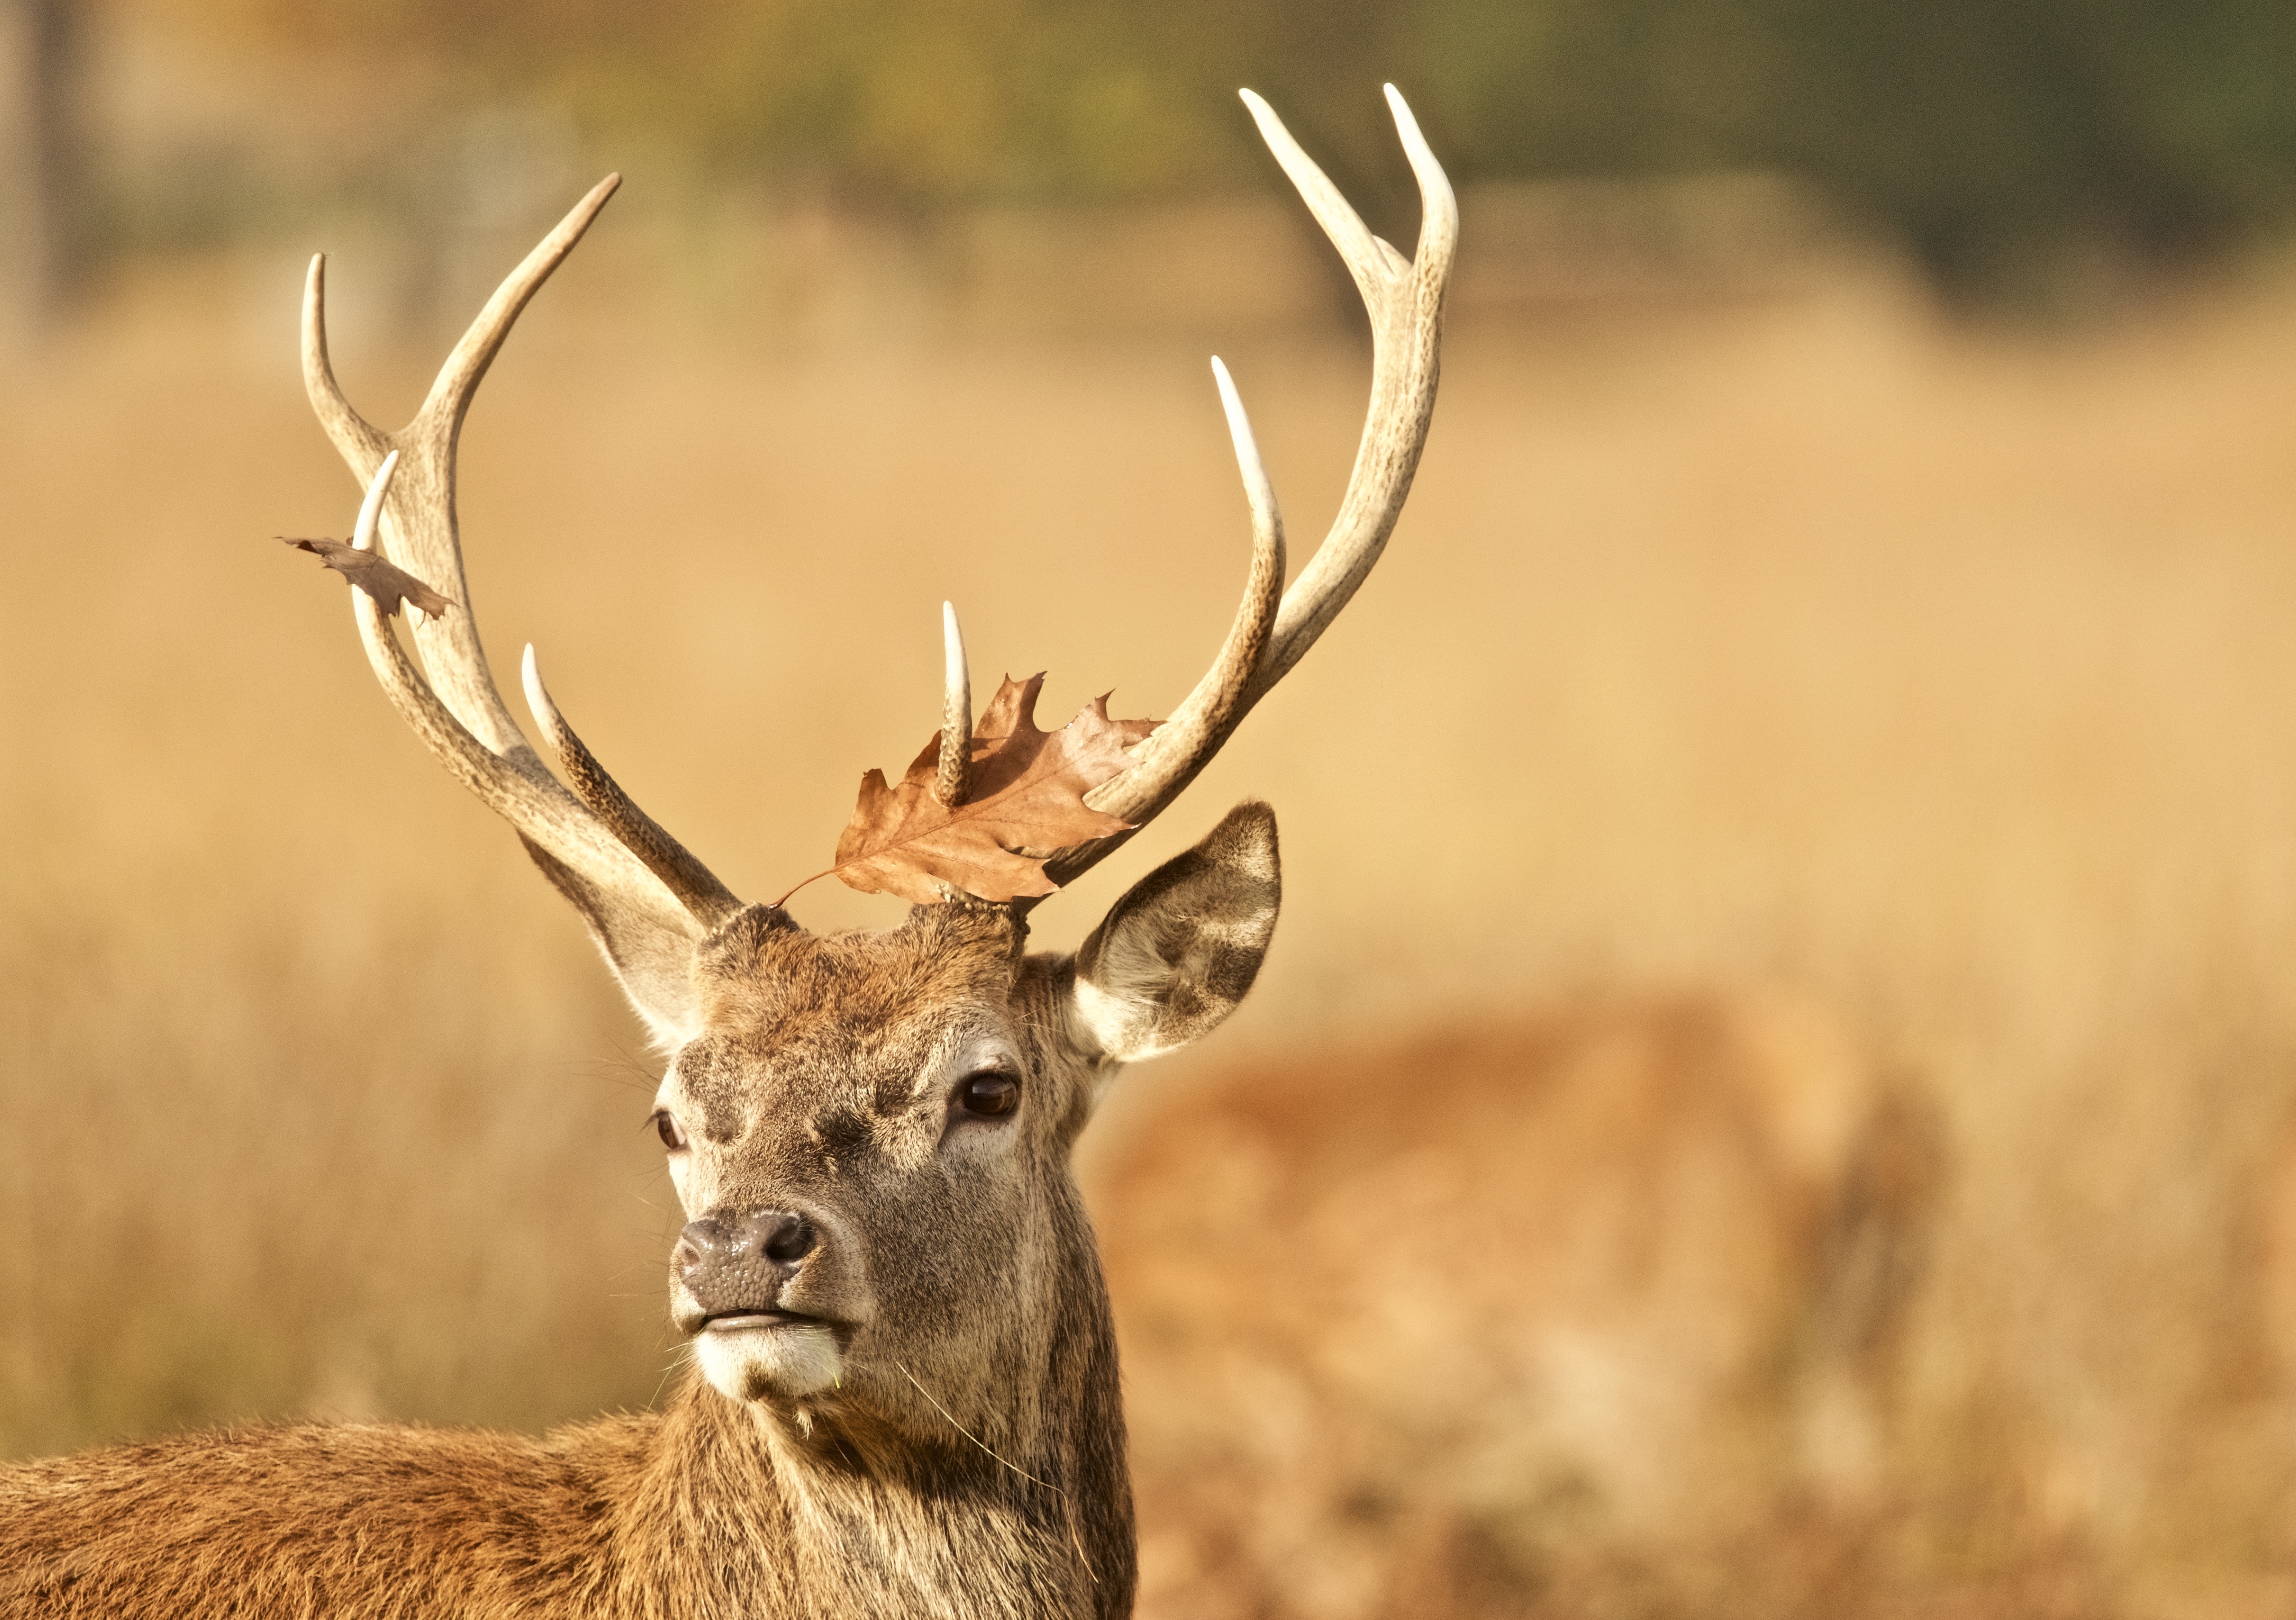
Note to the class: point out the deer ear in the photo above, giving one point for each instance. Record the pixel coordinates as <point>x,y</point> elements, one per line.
<point>652,960</point>
<point>1181,947</point>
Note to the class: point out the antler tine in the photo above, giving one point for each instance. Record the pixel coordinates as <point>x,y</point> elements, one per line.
<point>543,813</point>
<point>1404,298</point>
<point>1405,305</point>
<point>697,888</point>
<point>1185,744</point>
<point>370,513</point>
<point>458,379</point>
<point>954,778</point>
<point>420,528</point>
<point>362,444</point>
<point>1370,261</point>
<point>600,841</point>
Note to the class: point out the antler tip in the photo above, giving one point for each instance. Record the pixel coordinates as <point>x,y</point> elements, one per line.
<point>537,696</point>
<point>1407,122</point>
<point>314,303</point>
<point>371,509</point>
<point>1434,184</point>
<point>952,641</point>
<point>1230,402</point>
<point>596,197</point>
<point>1257,488</point>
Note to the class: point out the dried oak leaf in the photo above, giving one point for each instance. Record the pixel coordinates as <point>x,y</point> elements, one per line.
<point>386,582</point>
<point>1026,803</point>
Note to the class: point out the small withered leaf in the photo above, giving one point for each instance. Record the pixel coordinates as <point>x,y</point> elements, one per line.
<point>389,583</point>
<point>1026,803</point>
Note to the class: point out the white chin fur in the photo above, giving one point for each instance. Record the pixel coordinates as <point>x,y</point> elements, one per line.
<point>761,1362</point>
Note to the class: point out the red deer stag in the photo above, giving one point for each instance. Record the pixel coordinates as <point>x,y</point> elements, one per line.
<point>907,1401</point>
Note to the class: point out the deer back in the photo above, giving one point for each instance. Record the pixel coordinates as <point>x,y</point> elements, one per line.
<point>1612,1273</point>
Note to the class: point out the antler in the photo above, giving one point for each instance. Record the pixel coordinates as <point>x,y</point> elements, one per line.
<point>619,865</point>
<point>612,858</point>
<point>1405,300</point>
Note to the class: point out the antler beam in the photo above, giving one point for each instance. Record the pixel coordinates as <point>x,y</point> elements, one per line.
<point>594,837</point>
<point>1404,298</point>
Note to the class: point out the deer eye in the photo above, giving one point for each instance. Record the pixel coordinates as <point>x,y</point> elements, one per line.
<point>672,1136</point>
<point>989,1094</point>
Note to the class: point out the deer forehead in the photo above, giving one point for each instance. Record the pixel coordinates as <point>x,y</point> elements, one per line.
<point>832,1031</point>
<point>761,970</point>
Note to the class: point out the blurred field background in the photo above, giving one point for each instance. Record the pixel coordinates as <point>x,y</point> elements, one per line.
<point>1836,667</point>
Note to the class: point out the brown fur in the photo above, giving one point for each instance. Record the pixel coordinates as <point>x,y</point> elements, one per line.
<point>968,1456</point>
<point>683,1512</point>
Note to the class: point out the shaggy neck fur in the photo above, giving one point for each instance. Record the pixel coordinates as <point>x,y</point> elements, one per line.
<point>708,1508</point>
<point>837,1511</point>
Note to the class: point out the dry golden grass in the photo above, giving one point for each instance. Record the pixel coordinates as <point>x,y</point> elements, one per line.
<point>1948,678</point>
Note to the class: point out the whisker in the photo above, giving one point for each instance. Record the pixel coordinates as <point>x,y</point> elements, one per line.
<point>684,1353</point>
<point>1068,1508</point>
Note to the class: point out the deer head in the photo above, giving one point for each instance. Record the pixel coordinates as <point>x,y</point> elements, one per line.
<point>870,1132</point>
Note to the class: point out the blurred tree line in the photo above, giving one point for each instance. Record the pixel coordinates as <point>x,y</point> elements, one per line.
<point>1996,138</point>
<point>36,163</point>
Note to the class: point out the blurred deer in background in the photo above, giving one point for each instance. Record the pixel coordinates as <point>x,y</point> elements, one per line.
<point>907,1398</point>
<point>1404,1323</point>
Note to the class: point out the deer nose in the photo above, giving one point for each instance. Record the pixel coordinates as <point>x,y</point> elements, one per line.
<point>763,1247</point>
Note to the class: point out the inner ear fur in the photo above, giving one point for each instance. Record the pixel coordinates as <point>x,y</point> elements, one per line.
<point>1177,952</point>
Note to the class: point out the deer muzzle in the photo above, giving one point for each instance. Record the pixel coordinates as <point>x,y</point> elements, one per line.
<point>734,1269</point>
<point>757,1292</point>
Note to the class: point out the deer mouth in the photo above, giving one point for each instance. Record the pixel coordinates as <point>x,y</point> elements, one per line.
<point>755,1321</point>
<point>754,1355</point>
